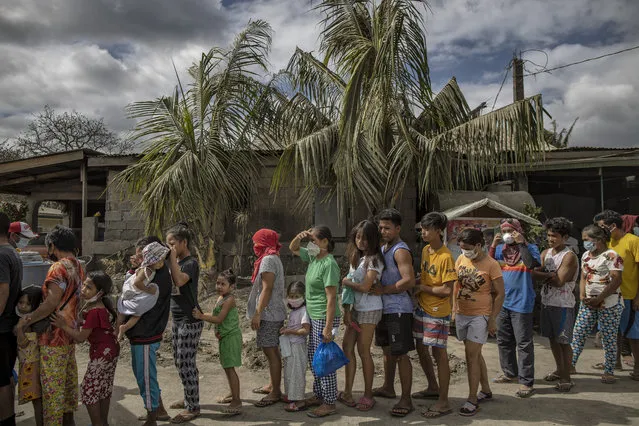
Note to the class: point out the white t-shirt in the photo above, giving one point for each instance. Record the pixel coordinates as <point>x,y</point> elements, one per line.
<point>597,270</point>
<point>563,296</point>
<point>365,302</point>
<point>296,319</point>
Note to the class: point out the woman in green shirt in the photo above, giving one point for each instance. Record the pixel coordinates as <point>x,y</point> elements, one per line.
<point>322,280</point>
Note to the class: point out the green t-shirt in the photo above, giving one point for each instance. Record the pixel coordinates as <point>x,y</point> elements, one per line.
<point>321,273</point>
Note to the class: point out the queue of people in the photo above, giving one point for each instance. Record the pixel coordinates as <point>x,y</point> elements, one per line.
<point>381,301</point>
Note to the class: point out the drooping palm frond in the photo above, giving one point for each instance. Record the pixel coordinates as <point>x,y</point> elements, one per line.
<point>197,164</point>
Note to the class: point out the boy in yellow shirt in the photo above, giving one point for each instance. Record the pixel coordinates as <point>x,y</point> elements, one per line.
<point>627,247</point>
<point>432,315</point>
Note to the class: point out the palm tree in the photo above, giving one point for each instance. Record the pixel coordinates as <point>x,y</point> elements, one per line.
<point>198,162</point>
<point>364,121</point>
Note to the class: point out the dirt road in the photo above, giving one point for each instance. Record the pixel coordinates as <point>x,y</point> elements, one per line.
<point>589,403</point>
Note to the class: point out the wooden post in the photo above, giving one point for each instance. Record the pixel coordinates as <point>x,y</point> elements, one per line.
<point>518,79</point>
<point>85,189</point>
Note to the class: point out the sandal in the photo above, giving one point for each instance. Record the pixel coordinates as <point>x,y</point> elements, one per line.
<point>365,404</point>
<point>602,366</point>
<point>468,409</point>
<point>382,393</point>
<point>317,414</point>
<point>232,411</point>
<point>294,407</point>
<point>161,418</point>
<point>608,379</point>
<point>262,390</point>
<point>634,376</point>
<point>185,417</point>
<point>265,402</point>
<point>434,414</point>
<point>401,411</point>
<point>225,399</point>
<point>552,377</point>
<point>564,387</point>
<point>504,379</point>
<point>340,398</point>
<point>483,397</point>
<point>525,393</point>
<point>425,394</point>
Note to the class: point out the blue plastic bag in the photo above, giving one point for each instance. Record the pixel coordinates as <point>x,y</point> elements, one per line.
<point>328,359</point>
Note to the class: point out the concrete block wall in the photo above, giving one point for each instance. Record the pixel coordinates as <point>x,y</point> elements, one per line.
<point>122,222</point>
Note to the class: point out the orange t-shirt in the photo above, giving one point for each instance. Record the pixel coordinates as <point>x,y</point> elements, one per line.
<point>475,285</point>
<point>438,268</point>
<point>68,275</point>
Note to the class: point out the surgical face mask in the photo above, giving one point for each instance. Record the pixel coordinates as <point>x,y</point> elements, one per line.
<point>635,230</point>
<point>295,303</point>
<point>22,243</point>
<point>470,254</point>
<point>590,245</point>
<point>508,238</point>
<point>313,249</point>
<point>19,314</point>
<point>95,298</point>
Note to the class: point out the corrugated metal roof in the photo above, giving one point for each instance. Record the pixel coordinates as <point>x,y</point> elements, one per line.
<point>467,208</point>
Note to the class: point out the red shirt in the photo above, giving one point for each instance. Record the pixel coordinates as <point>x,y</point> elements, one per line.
<point>102,338</point>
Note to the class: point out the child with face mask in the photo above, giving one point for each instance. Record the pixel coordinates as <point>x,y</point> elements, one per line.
<point>294,335</point>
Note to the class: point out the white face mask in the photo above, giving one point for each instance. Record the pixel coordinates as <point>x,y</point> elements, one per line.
<point>508,238</point>
<point>19,314</point>
<point>470,254</point>
<point>313,249</point>
<point>22,243</point>
<point>295,303</point>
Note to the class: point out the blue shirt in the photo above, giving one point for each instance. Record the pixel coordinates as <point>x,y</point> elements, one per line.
<point>518,282</point>
<point>399,303</point>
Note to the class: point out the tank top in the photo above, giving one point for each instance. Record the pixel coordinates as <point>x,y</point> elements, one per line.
<point>399,303</point>
<point>231,323</point>
<point>564,296</point>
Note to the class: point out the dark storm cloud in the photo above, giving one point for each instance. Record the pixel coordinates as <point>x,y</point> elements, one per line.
<point>29,22</point>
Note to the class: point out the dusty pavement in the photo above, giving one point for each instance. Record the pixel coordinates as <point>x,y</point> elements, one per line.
<point>589,403</point>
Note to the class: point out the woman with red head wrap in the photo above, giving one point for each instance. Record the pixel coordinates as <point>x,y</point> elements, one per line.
<point>266,308</point>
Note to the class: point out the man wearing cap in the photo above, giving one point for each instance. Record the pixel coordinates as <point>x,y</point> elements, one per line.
<point>19,234</point>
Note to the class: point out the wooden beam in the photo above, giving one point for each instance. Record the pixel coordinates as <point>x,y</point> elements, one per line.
<point>583,163</point>
<point>65,196</point>
<point>43,161</point>
<point>84,178</point>
<point>115,162</point>
<point>38,178</point>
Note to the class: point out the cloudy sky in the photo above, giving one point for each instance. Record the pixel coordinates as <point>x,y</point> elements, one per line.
<point>97,56</point>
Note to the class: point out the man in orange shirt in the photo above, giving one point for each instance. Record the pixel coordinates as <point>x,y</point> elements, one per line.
<point>432,315</point>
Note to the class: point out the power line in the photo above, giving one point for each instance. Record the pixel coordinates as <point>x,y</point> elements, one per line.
<point>581,62</point>
<point>502,84</point>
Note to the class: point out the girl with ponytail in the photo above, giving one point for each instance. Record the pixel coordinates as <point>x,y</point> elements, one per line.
<point>95,324</point>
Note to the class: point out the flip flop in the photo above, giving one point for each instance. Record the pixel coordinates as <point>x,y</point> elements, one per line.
<point>224,399</point>
<point>261,391</point>
<point>484,397</point>
<point>380,393</point>
<point>468,409</point>
<point>340,398</point>
<point>231,412</point>
<point>564,387</point>
<point>162,418</point>
<point>634,376</point>
<point>525,393</point>
<point>294,408</point>
<point>184,418</point>
<point>602,366</point>
<point>425,395</point>
<point>552,377</point>
<point>317,415</point>
<point>401,411</point>
<point>434,414</point>
<point>365,404</point>
<point>608,380</point>
<point>264,402</point>
<point>504,379</point>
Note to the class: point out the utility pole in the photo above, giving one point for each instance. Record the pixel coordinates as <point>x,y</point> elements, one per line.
<point>518,79</point>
